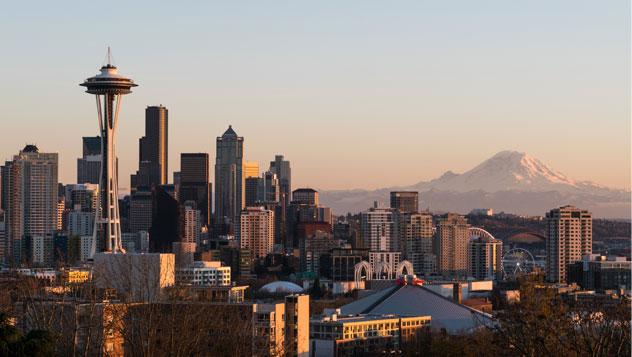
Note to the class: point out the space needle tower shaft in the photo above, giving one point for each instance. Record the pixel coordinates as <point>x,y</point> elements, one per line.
<point>108,87</point>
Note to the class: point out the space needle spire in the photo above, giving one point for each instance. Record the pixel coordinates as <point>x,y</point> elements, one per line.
<point>108,87</point>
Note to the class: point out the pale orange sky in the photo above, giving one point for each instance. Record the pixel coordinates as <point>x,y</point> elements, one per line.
<point>357,95</point>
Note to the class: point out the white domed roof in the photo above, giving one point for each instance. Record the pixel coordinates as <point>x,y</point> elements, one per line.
<point>281,287</point>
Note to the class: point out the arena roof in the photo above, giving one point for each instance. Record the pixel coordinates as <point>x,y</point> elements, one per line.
<point>411,300</point>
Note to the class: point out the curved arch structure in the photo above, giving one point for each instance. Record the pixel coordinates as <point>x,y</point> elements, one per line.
<point>404,264</point>
<point>363,265</point>
<point>383,268</point>
<point>475,232</point>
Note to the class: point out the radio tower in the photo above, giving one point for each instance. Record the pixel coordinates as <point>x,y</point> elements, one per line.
<point>108,88</point>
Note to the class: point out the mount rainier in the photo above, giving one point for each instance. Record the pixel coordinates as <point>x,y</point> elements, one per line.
<point>509,181</point>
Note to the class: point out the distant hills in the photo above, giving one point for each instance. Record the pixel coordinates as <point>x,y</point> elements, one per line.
<point>509,181</point>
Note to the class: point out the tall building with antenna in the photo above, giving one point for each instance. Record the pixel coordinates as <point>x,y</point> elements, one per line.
<point>108,87</point>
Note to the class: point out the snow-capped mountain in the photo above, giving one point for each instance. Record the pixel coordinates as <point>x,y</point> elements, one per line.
<point>509,181</point>
<point>506,171</point>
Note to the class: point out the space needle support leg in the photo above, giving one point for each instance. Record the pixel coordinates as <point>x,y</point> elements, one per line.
<point>97,216</point>
<point>117,244</point>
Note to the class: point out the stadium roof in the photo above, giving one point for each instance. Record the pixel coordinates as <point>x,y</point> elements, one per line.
<point>411,300</point>
<point>281,287</point>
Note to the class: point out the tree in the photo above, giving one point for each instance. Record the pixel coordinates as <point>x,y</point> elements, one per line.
<point>36,343</point>
<point>316,292</point>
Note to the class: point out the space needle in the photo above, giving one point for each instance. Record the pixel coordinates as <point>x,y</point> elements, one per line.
<point>108,87</point>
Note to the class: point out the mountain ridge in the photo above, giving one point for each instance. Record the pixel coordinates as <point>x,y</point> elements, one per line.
<point>509,181</point>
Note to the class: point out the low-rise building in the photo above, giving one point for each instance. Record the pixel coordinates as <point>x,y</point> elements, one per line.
<point>75,276</point>
<point>224,294</point>
<point>135,277</point>
<point>204,274</point>
<point>598,272</point>
<point>335,335</point>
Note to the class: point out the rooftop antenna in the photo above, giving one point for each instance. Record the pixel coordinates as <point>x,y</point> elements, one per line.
<point>108,59</point>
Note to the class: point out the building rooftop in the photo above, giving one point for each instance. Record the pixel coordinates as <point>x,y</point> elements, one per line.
<point>361,318</point>
<point>411,300</point>
<point>30,148</point>
<point>229,132</point>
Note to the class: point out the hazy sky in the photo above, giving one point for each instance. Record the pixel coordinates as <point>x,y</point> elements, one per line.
<point>356,94</point>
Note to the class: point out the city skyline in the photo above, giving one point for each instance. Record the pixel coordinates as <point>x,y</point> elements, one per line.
<point>316,178</point>
<point>391,83</point>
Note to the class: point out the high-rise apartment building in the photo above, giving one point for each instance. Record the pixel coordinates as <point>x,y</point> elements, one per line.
<point>89,165</point>
<point>192,224</point>
<point>281,329</point>
<point>568,238</point>
<point>194,183</point>
<point>32,201</point>
<point>485,258</point>
<point>378,230</point>
<point>82,197</point>
<point>41,249</point>
<point>256,231</point>
<point>229,178</point>
<point>3,238</point>
<point>153,149</point>
<point>405,201</point>
<point>451,245</point>
<point>4,185</point>
<point>296,325</point>
<point>415,235</point>
<point>80,223</point>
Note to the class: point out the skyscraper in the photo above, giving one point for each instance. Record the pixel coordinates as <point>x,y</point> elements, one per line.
<point>378,231</point>
<point>229,178</point>
<point>405,201</point>
<point>283,171</point>
<point>251,188</point>
<point>256,231</point>
<point>251,169</point>
<point>262,190</point>
<point>306,196</point>
<point>32,202</point>
<point>166,220</point>
<point>156,143</point>
<point>140,211</point>
<point>568,238</point>
<point>153,149</point>
<point>108,87</point>
<point>450,245</point>
<point>194,183</point>
<point>270,189</point>
<point>89,165</point>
